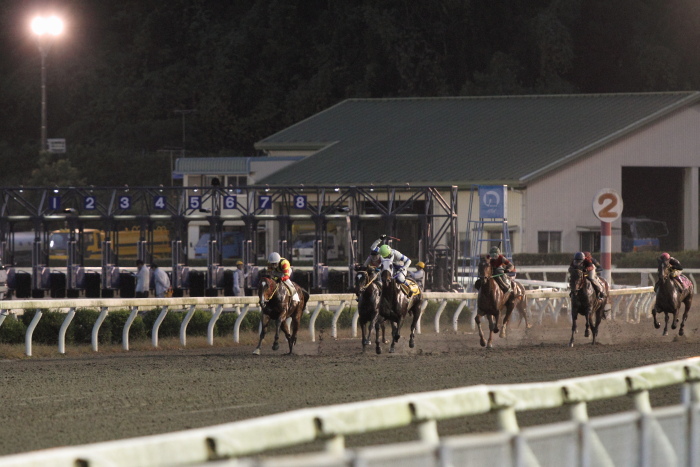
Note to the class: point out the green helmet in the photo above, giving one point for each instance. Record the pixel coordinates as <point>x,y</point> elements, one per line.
<point>495,251</point>
<point>385,251</point>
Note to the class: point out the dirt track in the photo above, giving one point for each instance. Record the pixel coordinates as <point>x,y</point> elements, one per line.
<point>77,398</point>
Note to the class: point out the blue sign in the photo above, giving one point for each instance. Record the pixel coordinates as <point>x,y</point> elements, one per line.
<point>492,201</point>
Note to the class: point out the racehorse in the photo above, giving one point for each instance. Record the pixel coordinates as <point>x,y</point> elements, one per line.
<point>585,302</point>
<point>276,304</point>
<point>670,294</point>
<point>394,305</point>
<point>369,292</point>
<point>492,301</point>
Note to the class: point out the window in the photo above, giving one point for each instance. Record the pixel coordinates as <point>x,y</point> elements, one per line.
<point>548,242</point>
<point>589,241</point>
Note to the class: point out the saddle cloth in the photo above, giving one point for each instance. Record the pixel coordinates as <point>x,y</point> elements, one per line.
<point>685,281</point>
<point>410,287</point>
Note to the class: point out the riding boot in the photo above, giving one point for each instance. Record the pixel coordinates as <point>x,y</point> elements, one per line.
<point>505,286</point>
<point>598,290</point>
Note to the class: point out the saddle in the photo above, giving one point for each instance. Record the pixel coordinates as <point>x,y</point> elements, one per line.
<point>410,287</point>
<point>682,282</point>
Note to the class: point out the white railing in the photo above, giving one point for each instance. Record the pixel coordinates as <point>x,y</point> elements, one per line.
<point>629,304</point>
<point>668,436</point>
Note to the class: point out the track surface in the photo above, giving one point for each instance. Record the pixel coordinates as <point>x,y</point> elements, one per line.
<point>78,398</point>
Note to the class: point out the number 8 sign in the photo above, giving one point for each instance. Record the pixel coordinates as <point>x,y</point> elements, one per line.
<point>607,205</point>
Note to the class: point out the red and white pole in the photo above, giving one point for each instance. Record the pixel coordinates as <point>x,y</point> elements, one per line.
<point>606,249</point>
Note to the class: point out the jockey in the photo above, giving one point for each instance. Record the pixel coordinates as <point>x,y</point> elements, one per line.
<point>419,274</point>
<point>584,261</point>
<point>675,266</point>
<point>281,269</point>
<point>501,267</point>
<point>399,261</point>
<point>374,259</point>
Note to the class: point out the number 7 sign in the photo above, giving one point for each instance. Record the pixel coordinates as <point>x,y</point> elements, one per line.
<point>607,205</point>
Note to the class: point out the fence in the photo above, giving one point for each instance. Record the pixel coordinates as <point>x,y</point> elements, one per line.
<point>646,436</point>
<point>630,302</point>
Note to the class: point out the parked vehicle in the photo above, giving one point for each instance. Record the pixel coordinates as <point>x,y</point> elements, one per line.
<point>231,247</point>
<point>93,238</point>
<point>642,234</point>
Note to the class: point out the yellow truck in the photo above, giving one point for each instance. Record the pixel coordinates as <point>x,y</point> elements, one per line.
<point>93,238</point>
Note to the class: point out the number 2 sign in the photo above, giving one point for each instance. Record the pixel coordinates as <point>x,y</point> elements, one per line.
<point>607,205</point>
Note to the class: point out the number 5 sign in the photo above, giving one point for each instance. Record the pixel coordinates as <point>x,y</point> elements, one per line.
<point>607,205</point>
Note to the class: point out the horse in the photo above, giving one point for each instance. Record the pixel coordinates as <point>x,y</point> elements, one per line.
<point>394,306</point>
<point>369,291</point>
<point>492,301</point>
<point>276,304</point>
<point>670,294</point>
<point>585,302</point>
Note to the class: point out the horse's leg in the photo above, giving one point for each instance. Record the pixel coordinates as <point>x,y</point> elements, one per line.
<point>414,323</point>
<point>596,318</point>
<point>687,303</point>
<point>365,326</point>
<point>657,325</point>
<point>676,311</point>
<point>278,325</point>
<point>588,323</point>
<point>477,319</point>
<point>574,317</point>
<point>376,335</point>
<point>396,335</point>
<point>291,335</point>
<point>523,312</point>
<point>506,318</point>
<point>264,321</point>
<point>665,324</point>
<point>493,326</point>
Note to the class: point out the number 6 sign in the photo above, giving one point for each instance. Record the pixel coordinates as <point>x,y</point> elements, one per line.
<point>607,205</point>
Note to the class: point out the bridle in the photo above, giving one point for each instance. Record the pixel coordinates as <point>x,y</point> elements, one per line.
<point>369,281</point>
<point>267,295</point>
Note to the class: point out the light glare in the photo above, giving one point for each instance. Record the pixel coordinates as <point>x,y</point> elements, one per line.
<point>51,25</point>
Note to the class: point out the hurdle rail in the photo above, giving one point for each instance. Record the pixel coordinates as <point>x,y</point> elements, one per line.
<point>631,303</point>
<point>646,436</point>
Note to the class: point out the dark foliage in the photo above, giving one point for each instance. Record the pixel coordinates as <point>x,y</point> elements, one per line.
<point>253,67</point>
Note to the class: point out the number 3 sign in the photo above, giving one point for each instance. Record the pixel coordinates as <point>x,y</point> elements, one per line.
<point>607,205</point>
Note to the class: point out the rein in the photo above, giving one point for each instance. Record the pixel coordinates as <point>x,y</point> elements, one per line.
<point>277,286</point>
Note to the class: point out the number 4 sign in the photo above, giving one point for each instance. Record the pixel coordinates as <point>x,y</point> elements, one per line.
<point>607,205</point>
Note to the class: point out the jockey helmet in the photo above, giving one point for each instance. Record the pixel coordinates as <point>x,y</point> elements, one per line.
<point>587,254</point>
<point>579,256</point>
<point>274,258</point>
<point>495,251</point>
<point>665,256</point>
<point>385,251</point>
<point>420,264</point>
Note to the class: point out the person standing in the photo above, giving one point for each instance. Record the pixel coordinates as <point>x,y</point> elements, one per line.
<point>143,280</point>
<point>239,280</point>
<point>161,281</point>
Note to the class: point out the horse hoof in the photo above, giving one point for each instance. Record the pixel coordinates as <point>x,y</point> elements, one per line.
<point>489,346</point>
<point>256,352</point>
<point>586,334</point>
<point>657,325</point>
<point>412,344</point>
<point>392,350</point>
<point>571,344</point>
<point>386,341</point>
<point>503,333</point>
<point>482,342</point>
<point>379,350</point>
<point>665,333</point>
<point>275,346</point>
<point>529,326</point>
<point>673,326</point>
<point>681,332</point>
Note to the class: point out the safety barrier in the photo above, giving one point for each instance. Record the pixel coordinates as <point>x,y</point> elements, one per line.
<point>668,436</point>
<point>630,302</point>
